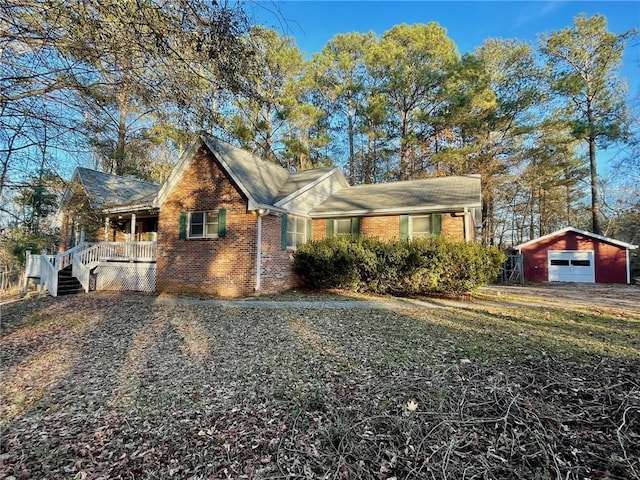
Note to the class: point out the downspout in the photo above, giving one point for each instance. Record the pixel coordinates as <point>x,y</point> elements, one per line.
<point>628,267</point>
<point>261,213</point>
<point>465,227</point>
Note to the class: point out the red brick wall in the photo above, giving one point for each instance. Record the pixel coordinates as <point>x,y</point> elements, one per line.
<point>277,272</point>
<point>217,266</point>
<point>610,260</point>
<point>453,227</point>
<point>388,227</point>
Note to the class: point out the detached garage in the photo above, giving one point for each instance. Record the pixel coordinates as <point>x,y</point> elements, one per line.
<point>573,255</point>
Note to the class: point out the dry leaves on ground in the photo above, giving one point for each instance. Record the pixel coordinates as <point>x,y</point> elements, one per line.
<point>117,386</point>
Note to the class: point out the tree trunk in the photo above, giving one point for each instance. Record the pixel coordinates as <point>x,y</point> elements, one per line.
<point>595,201</point>
<point>593,167</point>
<point>352,160</point>
<point>119,163</point>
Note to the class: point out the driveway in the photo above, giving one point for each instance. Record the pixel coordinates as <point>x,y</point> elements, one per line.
<point>626,297</point>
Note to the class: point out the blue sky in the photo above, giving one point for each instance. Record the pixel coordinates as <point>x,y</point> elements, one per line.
<point>468,23</point>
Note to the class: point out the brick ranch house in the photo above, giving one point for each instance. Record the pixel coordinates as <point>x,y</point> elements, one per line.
<point>227,223</point>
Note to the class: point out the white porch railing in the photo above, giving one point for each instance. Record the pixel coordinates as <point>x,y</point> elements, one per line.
<point>124,251</point>
<point>32,264</point>
<point>84,257</point>
<point>48,274</point>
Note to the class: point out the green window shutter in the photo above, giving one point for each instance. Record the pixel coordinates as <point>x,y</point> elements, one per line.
<point>222,223</point>
<point>182,231</point>
<point>404,227</point>
<point>72,240</point>
<point>330,230</point>
<point>355,226</point>
<point>436,224</point>
<point>309,228</point>
<point>283,237</point>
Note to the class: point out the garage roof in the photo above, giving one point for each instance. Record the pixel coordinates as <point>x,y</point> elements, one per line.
<point>579,232</point>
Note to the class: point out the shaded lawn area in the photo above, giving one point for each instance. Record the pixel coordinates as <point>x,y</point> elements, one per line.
<point>117,386</point>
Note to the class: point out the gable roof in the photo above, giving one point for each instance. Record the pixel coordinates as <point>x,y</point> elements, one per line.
<point>579,232</point>
<point>432,194</point>
<point>259,180</point>
<point>105,190</point>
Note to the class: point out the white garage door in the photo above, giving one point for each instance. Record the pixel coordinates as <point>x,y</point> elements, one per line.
<point>571,266</point>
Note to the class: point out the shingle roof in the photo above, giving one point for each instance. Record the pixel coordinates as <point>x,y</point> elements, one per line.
<point>105,190</point>
<point>260,180</point>
<point>434,194</point>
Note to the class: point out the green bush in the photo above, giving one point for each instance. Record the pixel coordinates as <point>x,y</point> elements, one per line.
<point>397,267</point>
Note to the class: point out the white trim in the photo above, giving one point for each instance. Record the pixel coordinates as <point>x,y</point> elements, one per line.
<point>295,232</point>
<point>391,211</point>
<point>204,223</point>
<point>259,254</point>
<point>628,268</point>
<point>308,186</point>
<point>579,232</point>
<point>270,208</point>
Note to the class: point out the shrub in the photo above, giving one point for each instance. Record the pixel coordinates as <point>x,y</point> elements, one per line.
<point>397,267</point>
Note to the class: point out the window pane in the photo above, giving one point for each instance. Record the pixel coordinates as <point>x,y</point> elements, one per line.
<point>212,229</point>
<point>560,262</point>
<point>300,239</point>
<point>343,227</point>
<point>197,217</point>
<point>420,224</point>
<point>291,239</point>
<point>580,263</point>
<point>195,230</point>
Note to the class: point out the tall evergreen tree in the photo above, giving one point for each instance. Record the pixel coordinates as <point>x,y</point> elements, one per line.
<point>584,62</point>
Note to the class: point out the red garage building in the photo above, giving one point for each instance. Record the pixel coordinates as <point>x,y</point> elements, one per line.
<point>573,255</point>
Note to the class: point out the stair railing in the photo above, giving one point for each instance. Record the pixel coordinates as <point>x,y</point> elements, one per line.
<point>83,262</point>
<point>48,274</point>
<point>65,258</point>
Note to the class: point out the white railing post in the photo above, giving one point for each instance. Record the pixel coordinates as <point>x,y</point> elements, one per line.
<point>27,271</point>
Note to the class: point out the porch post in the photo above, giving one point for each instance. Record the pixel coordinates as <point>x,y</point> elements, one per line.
<point>133,237</point>
<point>133,228</point>
<point>106,229</point>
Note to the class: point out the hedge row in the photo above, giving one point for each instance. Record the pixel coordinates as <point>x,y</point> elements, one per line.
<point>397,267</point>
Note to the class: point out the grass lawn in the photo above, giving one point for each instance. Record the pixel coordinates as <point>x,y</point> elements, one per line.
<point>120,386</point>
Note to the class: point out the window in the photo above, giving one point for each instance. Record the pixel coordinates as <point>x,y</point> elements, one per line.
<point>581,263</point>
<point>560,263</point>
<point>342,227</point>
<point>296,231</point>
<point>208,224</point>
<point>420,226</point>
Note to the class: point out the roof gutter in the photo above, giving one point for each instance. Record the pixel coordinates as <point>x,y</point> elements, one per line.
<point>392,211</point>
<point>130,208</point>
<point>256,207</point>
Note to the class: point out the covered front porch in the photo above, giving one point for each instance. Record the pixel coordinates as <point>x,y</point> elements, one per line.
<point>131,226</point>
